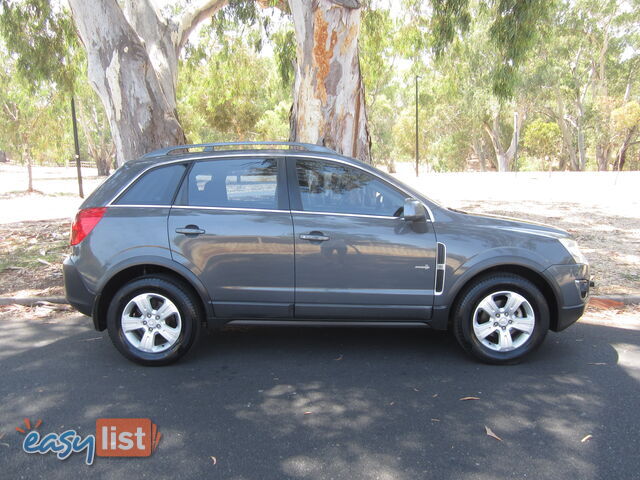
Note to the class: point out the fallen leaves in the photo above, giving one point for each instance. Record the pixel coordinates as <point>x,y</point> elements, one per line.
<point>491,434</point>
<point>214,460</point>
<point>465,399</point>
<point>586,438</point>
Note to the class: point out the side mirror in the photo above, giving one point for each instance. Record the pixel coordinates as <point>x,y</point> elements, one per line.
<point>413,210</point>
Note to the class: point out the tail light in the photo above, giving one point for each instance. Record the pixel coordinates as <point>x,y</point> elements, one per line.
<point>84,222</point>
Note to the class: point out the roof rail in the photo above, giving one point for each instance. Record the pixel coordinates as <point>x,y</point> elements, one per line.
<point>210,147</point>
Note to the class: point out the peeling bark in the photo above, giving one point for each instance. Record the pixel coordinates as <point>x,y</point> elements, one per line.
<point>329,101</point>
<point>133,66</point>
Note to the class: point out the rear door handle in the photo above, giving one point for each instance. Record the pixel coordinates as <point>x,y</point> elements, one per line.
<point>314,237</point>
<point>190,230</point>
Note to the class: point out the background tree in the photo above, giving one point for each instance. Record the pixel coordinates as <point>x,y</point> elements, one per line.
<point>542,140</point>
<point>27,124</point>
<point>226,88</point>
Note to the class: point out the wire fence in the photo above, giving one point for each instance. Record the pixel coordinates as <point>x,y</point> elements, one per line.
<point>53,163</point>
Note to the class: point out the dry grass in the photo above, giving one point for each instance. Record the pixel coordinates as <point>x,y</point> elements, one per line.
<point>31,255</point>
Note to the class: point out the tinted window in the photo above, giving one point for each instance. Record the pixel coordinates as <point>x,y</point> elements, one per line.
<point>331,187</point>
<point>234,183</point>
<point>156,187</point>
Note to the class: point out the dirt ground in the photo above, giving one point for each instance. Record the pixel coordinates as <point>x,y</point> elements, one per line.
<point>601,210</point>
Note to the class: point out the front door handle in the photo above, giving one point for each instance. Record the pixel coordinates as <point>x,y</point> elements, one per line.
<point>190,230</point>
<point>314,237</point>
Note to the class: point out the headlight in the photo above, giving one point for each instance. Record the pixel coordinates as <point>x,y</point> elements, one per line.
<point>572,247</point>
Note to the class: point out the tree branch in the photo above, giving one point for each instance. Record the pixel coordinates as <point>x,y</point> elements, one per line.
<point>193,14</point>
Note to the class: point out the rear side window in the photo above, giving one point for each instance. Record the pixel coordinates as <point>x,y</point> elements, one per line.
<point>156,187</point>
<point>234,183</point>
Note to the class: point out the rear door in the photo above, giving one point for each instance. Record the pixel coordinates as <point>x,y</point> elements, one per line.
<point>231,226</point>
<point>355,256</point>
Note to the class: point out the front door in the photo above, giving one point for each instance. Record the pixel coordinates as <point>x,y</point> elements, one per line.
<point>231,225</point>
<point>355,256</point>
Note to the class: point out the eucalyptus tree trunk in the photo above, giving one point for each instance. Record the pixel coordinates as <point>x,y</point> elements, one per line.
<point>478,149</point>
<point>582,149</point>
<point>567,138</point>
<point>602,156</point>
<point>621,157</point>
<point>329,101</point>
<point>28,159</point>
<point>504,156</point>
<point>133,62</point>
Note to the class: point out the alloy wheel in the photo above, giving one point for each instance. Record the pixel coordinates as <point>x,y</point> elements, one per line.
<point>151,322</point>
<point>503,321</point>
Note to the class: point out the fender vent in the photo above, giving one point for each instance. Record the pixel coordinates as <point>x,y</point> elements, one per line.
<point>441,262</point>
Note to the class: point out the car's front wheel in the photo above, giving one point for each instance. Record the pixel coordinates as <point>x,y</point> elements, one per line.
<point>153,320</point>
<point>501,318</point>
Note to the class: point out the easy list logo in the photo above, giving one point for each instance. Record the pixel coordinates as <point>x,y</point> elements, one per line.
<point>115,437</point>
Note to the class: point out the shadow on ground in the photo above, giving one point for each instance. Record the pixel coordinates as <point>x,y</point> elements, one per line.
<point>330,403</point>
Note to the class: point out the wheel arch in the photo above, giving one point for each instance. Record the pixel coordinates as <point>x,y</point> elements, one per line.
<point>525,271</point>
<point>127,271</point>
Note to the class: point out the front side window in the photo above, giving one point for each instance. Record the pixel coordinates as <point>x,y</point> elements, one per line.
<point>334,188</point>
<point>155,187</point>
<point>234,183</point>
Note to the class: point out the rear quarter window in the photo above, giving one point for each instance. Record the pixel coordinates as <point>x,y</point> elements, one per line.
<point>155,187</point>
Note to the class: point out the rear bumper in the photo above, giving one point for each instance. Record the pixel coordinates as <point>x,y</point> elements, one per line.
<point>78,296</point>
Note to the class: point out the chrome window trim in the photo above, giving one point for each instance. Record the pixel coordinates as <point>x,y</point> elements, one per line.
<point>246,209</point>
<point>364,215</point>
<point>239,209</point>
<point>265,155</point>
<point>123,205</point>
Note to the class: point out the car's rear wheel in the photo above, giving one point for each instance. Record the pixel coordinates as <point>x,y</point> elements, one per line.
<point>153,320</point>
<point>501,318</point>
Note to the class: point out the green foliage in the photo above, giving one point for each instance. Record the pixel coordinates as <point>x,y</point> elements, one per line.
<point>228,92</point>
<point>22,113</point>
<point>542,139</point>
<point>450,17</point>
<point>274,123</point>
<point>41,35</point>
<point>626,117</point>
<point>513,33</point>
<point>284,50</point>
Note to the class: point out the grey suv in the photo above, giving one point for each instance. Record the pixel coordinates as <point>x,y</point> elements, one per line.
<point>295,234</point>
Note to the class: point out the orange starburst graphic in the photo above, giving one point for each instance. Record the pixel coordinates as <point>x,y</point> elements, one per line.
<point>27,423</point>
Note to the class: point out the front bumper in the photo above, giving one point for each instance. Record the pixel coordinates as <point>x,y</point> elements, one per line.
<point>567,316</point>
<point>573,283</point>
<point>78,296</point>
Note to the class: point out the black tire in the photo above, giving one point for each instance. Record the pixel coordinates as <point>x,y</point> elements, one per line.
<point>179,294</point>
<point>479,290</point>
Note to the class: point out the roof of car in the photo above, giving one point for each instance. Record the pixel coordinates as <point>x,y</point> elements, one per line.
<point>199,148</point>
<point>223,149</point>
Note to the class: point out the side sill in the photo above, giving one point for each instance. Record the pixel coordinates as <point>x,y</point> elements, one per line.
<point>326,323</point>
